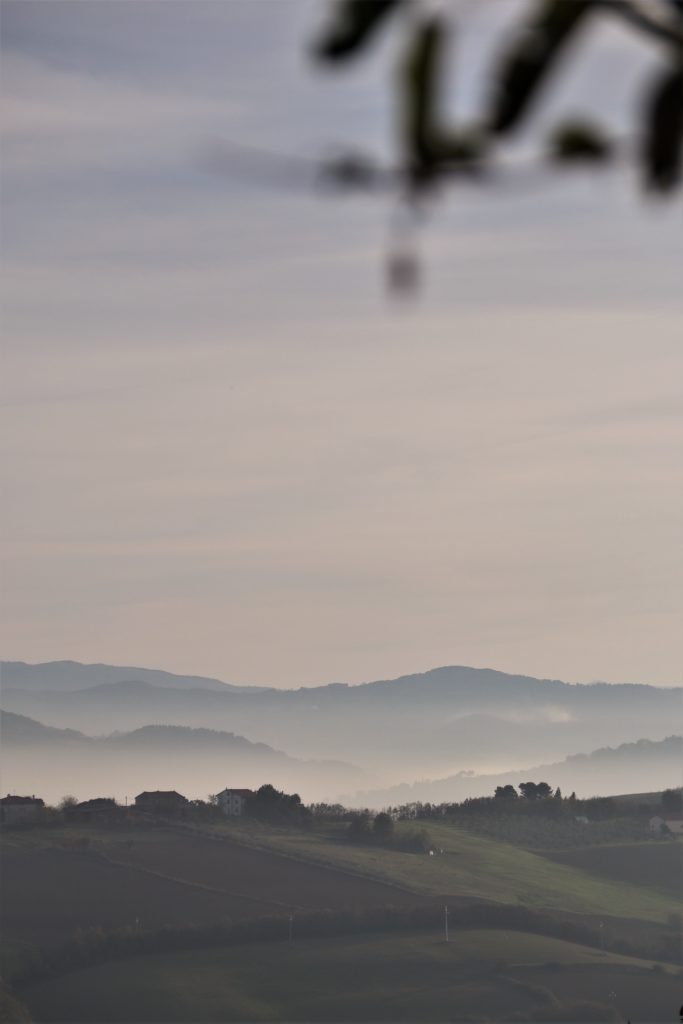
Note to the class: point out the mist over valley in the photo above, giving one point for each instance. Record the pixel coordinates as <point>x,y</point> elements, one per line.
<point>446,734</point>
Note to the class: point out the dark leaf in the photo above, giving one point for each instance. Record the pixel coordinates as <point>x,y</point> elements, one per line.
<point>579,142</point>
<point>531,59</point>
<point>663,137</point>
<point>430,148</point>
<point>420,88</point>
<point>353,24</point>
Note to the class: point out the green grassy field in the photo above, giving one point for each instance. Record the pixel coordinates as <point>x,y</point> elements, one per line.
<point>58,880</point>
<point>629,880</point>
<point>478,975</point>
<point>469,866</point>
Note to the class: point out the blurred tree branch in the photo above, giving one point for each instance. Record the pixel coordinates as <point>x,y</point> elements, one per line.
<point>431,150</point>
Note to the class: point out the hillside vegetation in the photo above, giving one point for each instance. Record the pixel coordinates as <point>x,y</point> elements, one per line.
<point>469,866</point>
<point>478,975</point>
<point>655,865</point>
<point>56,881</point>
<point>188,920</point>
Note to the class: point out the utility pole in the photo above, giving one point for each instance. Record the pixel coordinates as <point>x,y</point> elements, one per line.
<point>445,921</point>
<point>291,926</point>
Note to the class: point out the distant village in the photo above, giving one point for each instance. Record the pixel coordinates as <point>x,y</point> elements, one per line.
<point>20,810</point>
<point>160,805</point>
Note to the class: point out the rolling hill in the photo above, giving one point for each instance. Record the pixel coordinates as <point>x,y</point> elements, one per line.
<point>52,762</point>
<point>607,771</point>
<point>72,675</point>
<point>523,928</point>
<point>430,724</point>
<point>479,975</point>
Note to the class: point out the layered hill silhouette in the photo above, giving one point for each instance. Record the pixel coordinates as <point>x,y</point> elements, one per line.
<point>430,724</point>
<point>72,675</point>
<point>631,767</point>
<point>53,762</point>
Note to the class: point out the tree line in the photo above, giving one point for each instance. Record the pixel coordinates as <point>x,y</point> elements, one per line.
<point>96,945</point>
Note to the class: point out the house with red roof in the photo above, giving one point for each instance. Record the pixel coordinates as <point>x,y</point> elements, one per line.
<point>162,802</point>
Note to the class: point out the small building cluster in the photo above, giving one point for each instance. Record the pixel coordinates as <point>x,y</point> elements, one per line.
<point>105,810</point>
<point>15,810</point>
<point>168,803</point>
<point>19,810</point>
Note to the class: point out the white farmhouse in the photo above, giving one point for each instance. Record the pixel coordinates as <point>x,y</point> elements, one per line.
<point>16,810</point>
<point>232,801</point>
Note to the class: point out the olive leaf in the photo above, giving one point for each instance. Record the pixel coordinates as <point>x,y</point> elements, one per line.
<point>535,52</point>
<point>353,23</point>
<point>662,146</point>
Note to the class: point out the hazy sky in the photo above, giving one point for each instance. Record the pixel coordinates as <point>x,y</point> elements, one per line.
<point>226,452</point>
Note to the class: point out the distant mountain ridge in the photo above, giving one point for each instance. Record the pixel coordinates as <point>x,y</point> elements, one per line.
<point>18,729</point>
<point>606,771</point>
<point>52,761</point>
<point>73,675</point>
<point>429,724</point>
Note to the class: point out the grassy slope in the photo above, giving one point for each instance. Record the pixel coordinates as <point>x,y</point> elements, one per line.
<point>372,977</point>
<point>656,865</point>
<point>49,890</point>
<point>469,866</point>
<point>380,977</point>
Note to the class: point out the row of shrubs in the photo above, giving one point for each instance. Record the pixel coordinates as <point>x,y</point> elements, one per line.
<point>599,808</point>
<point>380,831</point>
<point>537,824</point>
<point>95,946</point>
<point>555,834</point>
